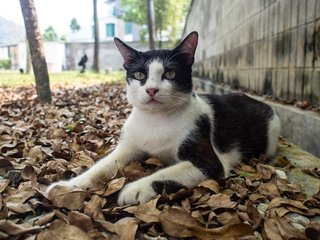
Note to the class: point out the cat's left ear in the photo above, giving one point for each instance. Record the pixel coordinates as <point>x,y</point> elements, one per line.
<point>188,47</point>
<point>127,52</point>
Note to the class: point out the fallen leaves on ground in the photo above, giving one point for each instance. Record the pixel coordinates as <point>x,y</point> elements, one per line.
<point>41,144</point>
<point>315,172</point>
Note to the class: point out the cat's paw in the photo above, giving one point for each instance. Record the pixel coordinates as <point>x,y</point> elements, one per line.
<point>136,193</point>
<point>68,184</point>
<point>60,183</point>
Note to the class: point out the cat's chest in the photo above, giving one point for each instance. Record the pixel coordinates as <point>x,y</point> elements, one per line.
<point>159,135</point>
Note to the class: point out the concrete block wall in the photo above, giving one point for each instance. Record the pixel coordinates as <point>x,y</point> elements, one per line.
<point>270,47</point>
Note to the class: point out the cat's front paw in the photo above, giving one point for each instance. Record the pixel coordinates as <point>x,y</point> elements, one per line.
<point>136,193</point>
<point>60,183</point>
<point>68,184</point>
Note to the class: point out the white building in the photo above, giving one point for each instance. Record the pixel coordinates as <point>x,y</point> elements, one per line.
<point>110,25</point>
<point>17,53</point>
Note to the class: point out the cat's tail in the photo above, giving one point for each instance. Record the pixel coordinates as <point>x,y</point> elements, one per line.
<point>274,129</point>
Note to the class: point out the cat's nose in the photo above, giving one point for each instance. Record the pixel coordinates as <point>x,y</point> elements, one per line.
<point>152,91</point>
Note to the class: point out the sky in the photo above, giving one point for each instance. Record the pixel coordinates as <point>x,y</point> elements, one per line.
<point>57,13</point>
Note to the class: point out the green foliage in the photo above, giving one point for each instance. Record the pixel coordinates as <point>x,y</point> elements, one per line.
<point>74,25</point>
<point>169,14</point>
<point>5,64</point>
<point>50,34</point>
<point>63,38</point>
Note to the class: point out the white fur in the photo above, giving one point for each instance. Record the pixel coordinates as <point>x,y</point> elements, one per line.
<point>158,128</point>
<point>274,128</point>
<point>168,99</point>
<point>141,191</point>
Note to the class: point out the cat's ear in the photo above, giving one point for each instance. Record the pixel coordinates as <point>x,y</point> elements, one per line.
<point>127,52</point>
<point>188,47</point>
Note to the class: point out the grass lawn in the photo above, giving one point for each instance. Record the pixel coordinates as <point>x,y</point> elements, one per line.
<point>14,79</point>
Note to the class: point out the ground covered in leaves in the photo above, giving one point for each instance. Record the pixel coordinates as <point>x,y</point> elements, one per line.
<point>41,144</point>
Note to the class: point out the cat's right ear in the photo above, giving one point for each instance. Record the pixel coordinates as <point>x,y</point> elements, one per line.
<point>127,52</point>
<point>188,47</point>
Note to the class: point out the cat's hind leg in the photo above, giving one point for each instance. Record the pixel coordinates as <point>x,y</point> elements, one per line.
<point>182,174</point>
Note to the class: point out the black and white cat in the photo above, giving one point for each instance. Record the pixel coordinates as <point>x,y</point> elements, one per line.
<point>197,136</point>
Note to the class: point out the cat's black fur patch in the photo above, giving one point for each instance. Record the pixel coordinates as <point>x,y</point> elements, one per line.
<point>169,185</point>
<point>197,148</point>
<point>171,62</point>
<point>241,122</point>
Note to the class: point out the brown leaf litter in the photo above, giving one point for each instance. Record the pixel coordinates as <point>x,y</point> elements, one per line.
<point>41,144</point>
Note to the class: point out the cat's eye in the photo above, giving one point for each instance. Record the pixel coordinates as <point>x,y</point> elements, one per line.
<point>139,75</point>
<point>170,75</point>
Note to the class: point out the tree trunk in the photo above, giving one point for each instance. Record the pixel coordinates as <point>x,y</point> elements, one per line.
<point>36,50</point>
<point>160,32</point>
<point>28,65</point>
<point>151,23</point>
<point>95,66</point>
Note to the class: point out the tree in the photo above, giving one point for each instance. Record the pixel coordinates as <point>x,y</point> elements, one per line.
<point>169,16</point>
<point>151,23</point>
<point>28,65</point>
<point>50,34</point>
<point>36,50</point>
<point>74,25</point>
<point>95,66</point>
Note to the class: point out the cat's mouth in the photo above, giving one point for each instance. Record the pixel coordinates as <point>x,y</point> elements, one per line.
<point>153,101</point>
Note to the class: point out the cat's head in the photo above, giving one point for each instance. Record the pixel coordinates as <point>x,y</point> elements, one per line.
<point>159,80</point>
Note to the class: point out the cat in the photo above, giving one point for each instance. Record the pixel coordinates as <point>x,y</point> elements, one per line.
<point>197,136</point>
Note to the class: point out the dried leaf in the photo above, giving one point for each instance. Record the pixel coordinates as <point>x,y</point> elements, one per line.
<point>19,207</point>
<point>114,185</point>
<point>68,197</point>
<point>220,200</point>
<point>125,228</point>
<point>315,172</point>
<point>211,185</point>
<point>28,172</point>
<point>45,218</point>
<point>21,196</point>
<point>227,232</point>
<point>177,223</point>
<point>3,185</point>
<point>279,228</point>
<point>154,161</point>
<point>94,206</point>
<point>230,217</point>
<point>148,212</point>
<point>283,162</point>
<point>254,215</point>
<point>12,228</point>
<point>276,202</point>
<point>60,230</point>
<point>134,170</point>
<point>266,171</point>
<point>80,220</point>
<point>269,190</point>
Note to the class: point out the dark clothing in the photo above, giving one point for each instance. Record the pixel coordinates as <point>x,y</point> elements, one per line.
<point>82,63</point>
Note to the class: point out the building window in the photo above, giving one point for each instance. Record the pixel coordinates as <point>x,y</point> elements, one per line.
<point>128,27</point>
<point>110,30</point>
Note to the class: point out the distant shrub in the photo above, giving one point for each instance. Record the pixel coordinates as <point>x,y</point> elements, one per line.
<point>5,64</point>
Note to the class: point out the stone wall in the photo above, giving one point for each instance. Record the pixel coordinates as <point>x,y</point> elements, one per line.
<point>109,56</point>
<point>270,47</point>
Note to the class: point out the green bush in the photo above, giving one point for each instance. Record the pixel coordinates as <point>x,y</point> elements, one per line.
<point>5,64</point>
